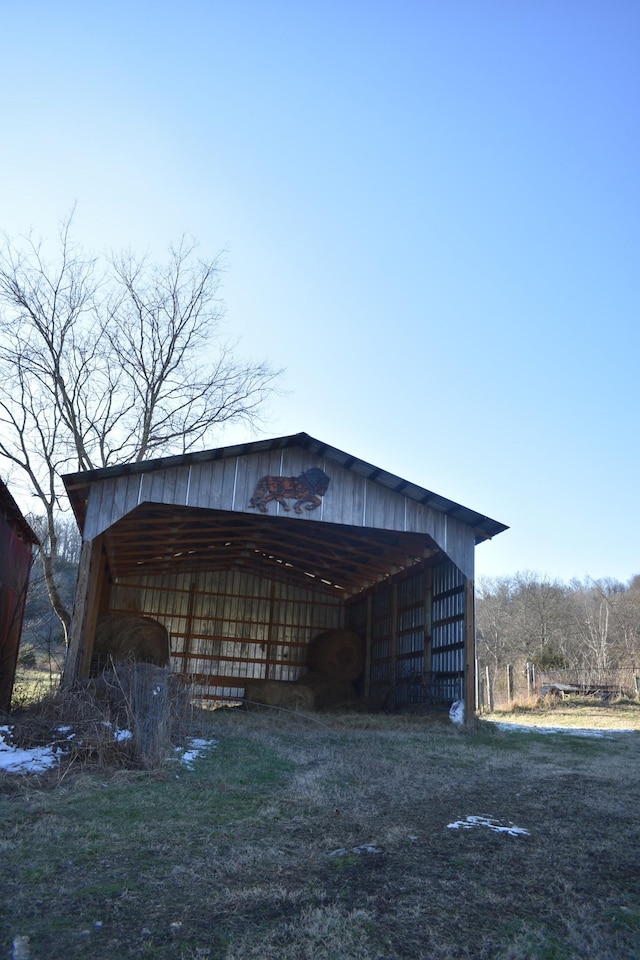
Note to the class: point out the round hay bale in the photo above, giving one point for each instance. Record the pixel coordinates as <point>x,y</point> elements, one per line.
<point>129,636</point>
<point>337,654</point>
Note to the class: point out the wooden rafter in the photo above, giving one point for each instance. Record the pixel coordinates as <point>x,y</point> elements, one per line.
<point>155,538</point>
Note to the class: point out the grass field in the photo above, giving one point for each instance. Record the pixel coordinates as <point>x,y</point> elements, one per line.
<point>587,713</point>
<point>329,838</point>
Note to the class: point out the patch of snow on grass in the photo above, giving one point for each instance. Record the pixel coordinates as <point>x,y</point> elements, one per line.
<point>571,731</point>
<point>499,826</point>
<point>19,760</point>
<point>196,749</point>
<point>38,759</point>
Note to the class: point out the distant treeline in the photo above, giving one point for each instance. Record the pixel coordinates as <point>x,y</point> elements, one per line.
<point>589,628</point>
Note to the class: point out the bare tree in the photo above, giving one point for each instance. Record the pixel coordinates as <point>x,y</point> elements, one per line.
<point>591,629</point>
<point>597,605</point>
<point>496,621</point>
<point>160,328</point>
<point>68,537</point>
<point>628,623</point>
<point>105,361</point>
<point>541,614</point>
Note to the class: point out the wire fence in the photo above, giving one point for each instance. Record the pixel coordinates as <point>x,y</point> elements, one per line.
<point>523,682</point>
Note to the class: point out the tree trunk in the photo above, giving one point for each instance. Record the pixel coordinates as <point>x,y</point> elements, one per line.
<point>59,608</point>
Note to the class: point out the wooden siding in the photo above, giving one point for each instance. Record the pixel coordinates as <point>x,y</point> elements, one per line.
<point>229,484</point>
<point>227,626</point>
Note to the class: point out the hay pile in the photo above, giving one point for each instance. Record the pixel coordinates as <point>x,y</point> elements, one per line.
<point>279,693</point>
<point>337,655</point>
<point>335,661</point>
<point>129,636</point>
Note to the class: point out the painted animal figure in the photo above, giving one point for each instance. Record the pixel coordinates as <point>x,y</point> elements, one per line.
<point>307,489</point>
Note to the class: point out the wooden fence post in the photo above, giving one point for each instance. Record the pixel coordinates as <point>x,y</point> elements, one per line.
<point>489,692</point>
<point>509,682</point>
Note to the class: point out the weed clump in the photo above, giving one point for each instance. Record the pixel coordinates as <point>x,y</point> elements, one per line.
<point>130,717</point>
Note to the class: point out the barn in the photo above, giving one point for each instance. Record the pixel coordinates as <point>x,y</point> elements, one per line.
<point>17,543</point>
<point>247,553</point>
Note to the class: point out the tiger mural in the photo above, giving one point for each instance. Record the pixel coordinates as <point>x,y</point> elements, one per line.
<point>307,489</point>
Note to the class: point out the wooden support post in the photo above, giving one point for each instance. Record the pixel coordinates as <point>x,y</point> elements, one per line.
<point>489,691</point>
<point>509,682</point>
<point>368,637</point>
<point>189,624</point>
<point>469,650</point>
<point>272,600</point>
<point>393,644</point>
<point>428,618</point>
<point>90,592</point>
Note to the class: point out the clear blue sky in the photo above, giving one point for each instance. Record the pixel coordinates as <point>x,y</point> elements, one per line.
<point>432,217</point>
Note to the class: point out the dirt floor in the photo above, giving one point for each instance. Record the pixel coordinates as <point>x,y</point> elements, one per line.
<point>343,838</point>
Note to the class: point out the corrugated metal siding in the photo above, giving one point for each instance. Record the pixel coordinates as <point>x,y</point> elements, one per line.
<point>358,621</point>
<point>410,641</point>
<point>231,624</point>
<point>399,674</point>
<point>381,675</point>
<point>447,632</point>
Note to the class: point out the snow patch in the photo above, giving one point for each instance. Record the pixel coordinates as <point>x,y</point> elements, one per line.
<point>196,749</point>
<point>18,760</point>
<point>499,826</point>
<point>38,759</point>
<point>571,731</point>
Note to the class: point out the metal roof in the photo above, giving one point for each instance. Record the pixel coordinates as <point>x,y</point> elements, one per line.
<point>78,484</point>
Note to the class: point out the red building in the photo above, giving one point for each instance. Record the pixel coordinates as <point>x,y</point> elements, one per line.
<point>17,542</point>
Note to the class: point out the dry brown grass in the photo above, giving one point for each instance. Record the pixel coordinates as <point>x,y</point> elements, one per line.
<point>303,837</point>
<point>581,712</point>
<point>130,717</point>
